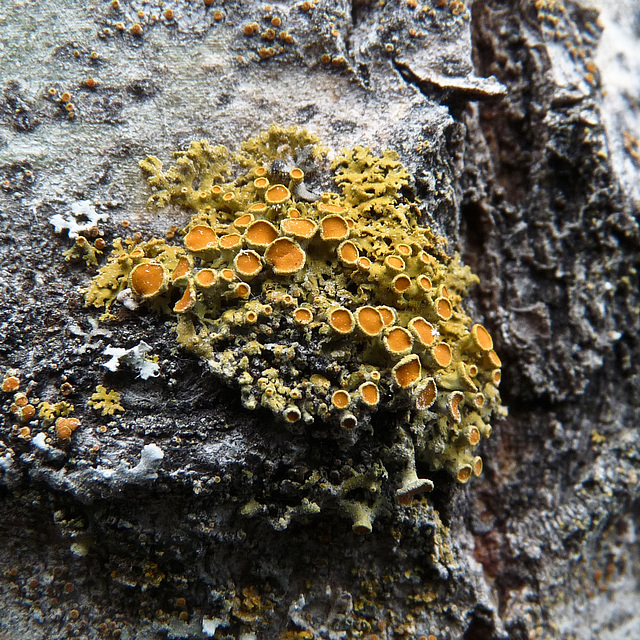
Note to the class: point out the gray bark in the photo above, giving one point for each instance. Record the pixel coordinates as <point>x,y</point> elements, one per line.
<point>520,124</point>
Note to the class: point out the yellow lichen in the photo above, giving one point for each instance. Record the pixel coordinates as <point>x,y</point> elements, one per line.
<point>105,400</point>
<point>48,412</point>
<point>114,277</point>
<point>325,310</point>
<point>65,427</point>
<point>84,250</point>
<point>10,383</point>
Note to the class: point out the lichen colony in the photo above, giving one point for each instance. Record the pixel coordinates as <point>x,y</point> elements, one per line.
<point>324,309</point>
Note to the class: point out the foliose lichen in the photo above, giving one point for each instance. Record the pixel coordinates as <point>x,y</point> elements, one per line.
<point>106,401</point>
<point>324,309</point>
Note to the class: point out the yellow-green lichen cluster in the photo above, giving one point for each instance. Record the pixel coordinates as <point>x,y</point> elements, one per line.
<point>323,309</point>
<point>108,402</point>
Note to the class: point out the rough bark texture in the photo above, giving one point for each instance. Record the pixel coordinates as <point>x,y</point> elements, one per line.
<point>520,123</point>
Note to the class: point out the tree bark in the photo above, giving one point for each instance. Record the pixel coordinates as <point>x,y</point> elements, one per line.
<point>519,123</point>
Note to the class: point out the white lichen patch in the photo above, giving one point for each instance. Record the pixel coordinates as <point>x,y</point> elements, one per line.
<point>134,358</point>
<point>82,217</point>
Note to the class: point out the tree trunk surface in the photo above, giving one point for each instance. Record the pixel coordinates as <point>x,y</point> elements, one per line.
<point>519,122</point>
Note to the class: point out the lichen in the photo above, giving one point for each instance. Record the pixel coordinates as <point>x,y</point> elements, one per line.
<point>82,217</point>
<point>325,310</point>
<point>48,412</point>
<point>135,358</point>
<point>84,250</point>
<point>106,401</point>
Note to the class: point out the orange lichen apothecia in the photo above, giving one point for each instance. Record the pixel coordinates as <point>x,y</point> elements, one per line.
<point>323,309</point>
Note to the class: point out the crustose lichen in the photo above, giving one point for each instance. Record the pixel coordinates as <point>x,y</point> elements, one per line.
<point>324,310</point>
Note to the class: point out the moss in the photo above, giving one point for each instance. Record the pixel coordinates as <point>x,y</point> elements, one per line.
<point>296,302</point>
